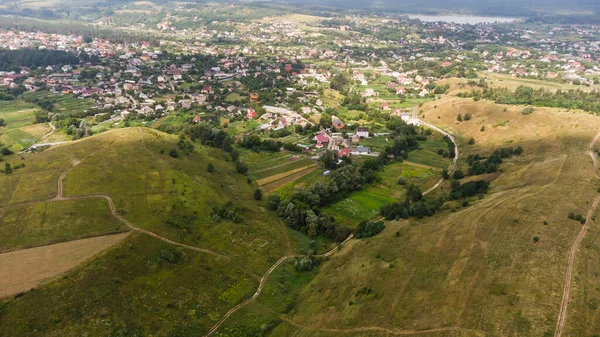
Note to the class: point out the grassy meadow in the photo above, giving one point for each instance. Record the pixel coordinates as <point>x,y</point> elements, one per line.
<point>46,223</point>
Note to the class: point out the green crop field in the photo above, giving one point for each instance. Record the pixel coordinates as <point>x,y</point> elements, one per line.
<point>428,158</point>
<point>357,207</point>
<point>17,113</point>
<point>388,185</point>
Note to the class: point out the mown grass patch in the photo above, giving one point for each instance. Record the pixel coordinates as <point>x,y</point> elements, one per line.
<point>43,223</point>
<point>428,158</point>
<point>357,207</point>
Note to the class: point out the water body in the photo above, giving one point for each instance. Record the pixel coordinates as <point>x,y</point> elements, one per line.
<point>461,19</point>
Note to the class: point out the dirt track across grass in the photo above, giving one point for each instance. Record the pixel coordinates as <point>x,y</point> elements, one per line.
<point>25,269</point>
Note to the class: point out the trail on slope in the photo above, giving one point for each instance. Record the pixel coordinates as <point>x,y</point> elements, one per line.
<point>376,328</point>
<point>60,197</point>
<point>454,160</point>
<point>562,314</point>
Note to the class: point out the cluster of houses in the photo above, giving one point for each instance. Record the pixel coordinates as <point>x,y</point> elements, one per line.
<point>344,146</point>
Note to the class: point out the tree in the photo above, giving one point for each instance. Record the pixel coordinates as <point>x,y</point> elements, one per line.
<point>7,168</point>
<point>241,167</point>
<point>273,201</point>
<point>329,160</point>
<point>413,193</point>
<point>367,229</point>
<point>339,81</point>
<point>467,117</point>
<point>258,194</point>
<point>458,174</point>
<point>459,118</point>
<point>2,122</point>
<point>445,174</point>
<point>305,263</point>
<point>6,151</point>
<point>471,141</point>
<point>173,153</point>
<point>210,167</point>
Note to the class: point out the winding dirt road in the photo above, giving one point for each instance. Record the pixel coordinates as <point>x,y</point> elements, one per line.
<point>562,314</point>
<point>376,328</point>
<point>454,160</point>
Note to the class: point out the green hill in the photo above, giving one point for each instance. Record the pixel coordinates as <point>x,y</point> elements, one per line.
<point>145,285</point>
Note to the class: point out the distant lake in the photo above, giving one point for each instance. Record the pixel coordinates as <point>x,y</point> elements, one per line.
<point>461,19</point>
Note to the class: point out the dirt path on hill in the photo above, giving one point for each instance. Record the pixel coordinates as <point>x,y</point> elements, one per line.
<point>454,160</point>
<point>376,328</point>
<point>61,197</point>
<point>562,314</point>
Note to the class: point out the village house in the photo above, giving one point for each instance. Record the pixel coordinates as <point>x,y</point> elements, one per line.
<point>362,132</point>
<point>360,150</point>
<point>320,138</point>
<point>337,123</point>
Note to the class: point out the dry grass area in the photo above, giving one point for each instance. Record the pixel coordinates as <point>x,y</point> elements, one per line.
<point>479,267</point>
<point>25,269</point>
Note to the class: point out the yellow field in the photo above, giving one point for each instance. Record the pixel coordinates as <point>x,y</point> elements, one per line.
<point>25,269</point>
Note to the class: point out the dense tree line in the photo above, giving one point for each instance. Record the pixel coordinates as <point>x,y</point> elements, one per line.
<point>569,99</point>
<point>367,229</point>
<point>301,210</point>
<point>479,165</point>
<point>210,136</point>
<point>34,58</point>
<point>256,144</point>
<point>469,189</point>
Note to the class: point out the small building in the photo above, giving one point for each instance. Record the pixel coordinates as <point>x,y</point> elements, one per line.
<point>361,150</point>
<point>362,132</point>
<point>337,123</point>
<point>345,152</point>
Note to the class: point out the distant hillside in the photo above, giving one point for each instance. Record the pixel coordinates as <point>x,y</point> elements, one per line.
<point>489,7</point>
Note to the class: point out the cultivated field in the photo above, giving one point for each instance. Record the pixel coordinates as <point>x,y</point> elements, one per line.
<point>278,169</point>
<point>25,269</point>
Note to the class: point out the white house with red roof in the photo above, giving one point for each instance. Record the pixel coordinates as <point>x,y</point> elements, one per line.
<point>251,113</point>
<point>345,152</point>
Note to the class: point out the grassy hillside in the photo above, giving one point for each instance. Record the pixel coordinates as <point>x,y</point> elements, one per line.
<point>50,222</point>
<point>478,269</point>
<point>182,291</point>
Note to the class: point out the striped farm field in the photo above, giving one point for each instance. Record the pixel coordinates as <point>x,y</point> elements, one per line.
<point>281,168</point>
